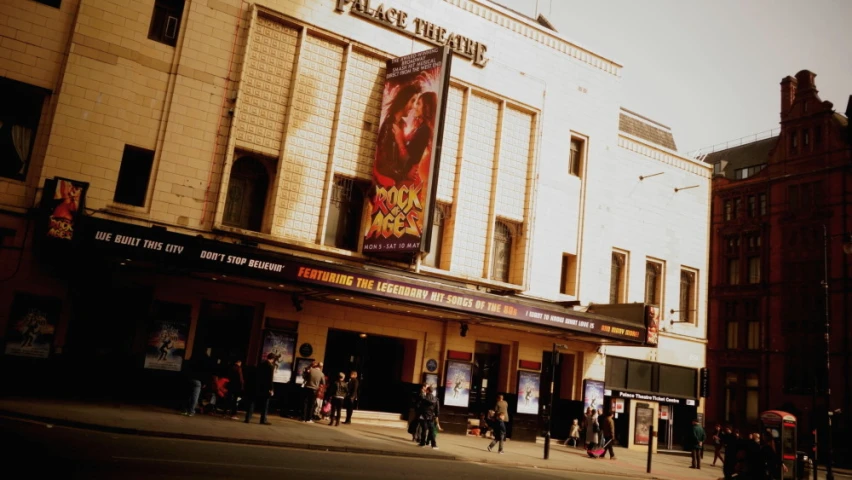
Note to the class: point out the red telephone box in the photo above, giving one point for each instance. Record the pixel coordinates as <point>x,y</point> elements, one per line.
<point>781,429</point>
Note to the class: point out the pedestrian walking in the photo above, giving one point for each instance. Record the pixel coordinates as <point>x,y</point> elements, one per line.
<point>499,426</point>
<point>718,434</point>
<point>608,430</point>
<point>338,393</point>
<point>197,373</point>
<point>695,442</point>
<point>263,390</point>
<point>574,435</point>
<point>351,395</point>
<point>428,411</point>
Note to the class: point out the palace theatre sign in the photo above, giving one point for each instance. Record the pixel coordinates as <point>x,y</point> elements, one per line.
<point>417,27</point>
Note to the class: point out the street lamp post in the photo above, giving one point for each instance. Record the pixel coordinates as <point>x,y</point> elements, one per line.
<point>553,363</point>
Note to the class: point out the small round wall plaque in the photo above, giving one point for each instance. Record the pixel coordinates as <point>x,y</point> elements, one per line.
<point>431,365</point>
<point>306,350</point>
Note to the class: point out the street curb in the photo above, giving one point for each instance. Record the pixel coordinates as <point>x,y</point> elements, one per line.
<point>298,446</point>
<point>210,438</point>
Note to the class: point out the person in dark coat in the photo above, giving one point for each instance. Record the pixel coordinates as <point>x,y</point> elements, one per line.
<point>262,390</point>
<point>414,413</point>
<point>197,371</point>
<point>731,444</point>
<point>608,431</point>
<point>351,395</point>
<point>236,386</point>
<point>694,442</point>
<point>428,412</point>
<point>499,427</point>
<point>338,391</point>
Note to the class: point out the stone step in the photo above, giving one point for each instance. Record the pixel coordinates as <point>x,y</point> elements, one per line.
<point>379,419</point>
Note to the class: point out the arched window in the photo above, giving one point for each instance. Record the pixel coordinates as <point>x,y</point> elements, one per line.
<point>247,188</point>
<point>502,255</point>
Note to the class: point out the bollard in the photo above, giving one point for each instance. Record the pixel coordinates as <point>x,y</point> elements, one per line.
<point>650,447</point>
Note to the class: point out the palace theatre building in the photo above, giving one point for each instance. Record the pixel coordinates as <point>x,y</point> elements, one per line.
<point>442,191</point>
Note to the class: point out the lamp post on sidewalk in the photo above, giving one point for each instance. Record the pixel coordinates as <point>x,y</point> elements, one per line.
<point>847,249</point>
<point>553,363</point>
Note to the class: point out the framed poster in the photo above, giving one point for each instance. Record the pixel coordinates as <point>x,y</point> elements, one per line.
<point>32,322</point>
<point>301,365</point>
<point>642,425</point>
<point>457,383</point>
<point>167,334</point>
<point>282,345</point>
<point>431,379</point>
<point>529,387</point>
<point>593,395</point>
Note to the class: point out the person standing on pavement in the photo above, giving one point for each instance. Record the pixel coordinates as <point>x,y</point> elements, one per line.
<point>502,406</point>
<point>313,379</point>
<point>695,442</point>
<point>263,390</point>
<point>338,393</point>
<point>197,373</point>
<point>718,435</point>
<point>428,409</point>
<point>608,430</point>
<point>351,395</point>
<point>236,387</point>
<point>592,427</point>
<point>499,432</point>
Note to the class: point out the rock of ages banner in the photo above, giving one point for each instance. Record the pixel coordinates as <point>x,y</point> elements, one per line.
<point>408,150</point>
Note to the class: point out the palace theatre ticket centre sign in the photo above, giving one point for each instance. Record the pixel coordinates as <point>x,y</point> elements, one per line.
<point>400,20</point>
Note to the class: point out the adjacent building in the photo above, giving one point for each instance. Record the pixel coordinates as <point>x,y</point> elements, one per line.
<point>781,222</point>
<point>192,179</point>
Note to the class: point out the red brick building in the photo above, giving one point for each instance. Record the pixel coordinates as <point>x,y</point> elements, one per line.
<point>771,199</point>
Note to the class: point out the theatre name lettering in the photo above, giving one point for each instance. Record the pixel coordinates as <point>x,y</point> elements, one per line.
<point>654,398</point>
<point>428,31</point>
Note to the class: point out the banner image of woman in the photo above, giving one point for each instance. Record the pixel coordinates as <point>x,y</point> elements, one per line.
<point>652,320</point>
<point>529,386</point>
<point>32,322</point>
<point>64,200</point>
<point>593,395</point>
<point>167,336</point>
<point>409,137</point>
<point>282,346</point>
<point>457,384</point>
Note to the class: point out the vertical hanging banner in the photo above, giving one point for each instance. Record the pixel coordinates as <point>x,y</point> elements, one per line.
<point>652,323</point>
<point>64,200</point>
<point>408,152</point>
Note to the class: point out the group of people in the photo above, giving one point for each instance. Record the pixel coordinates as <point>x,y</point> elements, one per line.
<point>321,398</point>
<point>594,432</point>
<point>423,423</point>
<point>215,385</point>
<point>753,457</point>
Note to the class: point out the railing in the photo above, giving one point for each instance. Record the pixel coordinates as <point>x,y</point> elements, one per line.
<point>703,152</point>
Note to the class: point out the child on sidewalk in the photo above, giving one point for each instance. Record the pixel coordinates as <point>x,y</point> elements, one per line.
<point>499,432</point>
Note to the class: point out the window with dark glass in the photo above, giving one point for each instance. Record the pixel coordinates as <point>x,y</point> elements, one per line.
<point>754,270</point>
<point>640,376</point>
<point>653,282</point>
<point>247,190</point>
<point>738,208</point>
<point>818,136</point>
<point>763,205</point>
<point>343,225</point>
<point>688,296</point>
<point>729,210</point>
<point>501,260</point>
<point>436,240</point>
<point>51,3</point>
<point>165,21</point>
<point>616,372</point>
<point>752,206</point>
<point>753,334</point>
<point>794,141</point>
<point>20,110</point>
<point>568,278</point>
<point>134,174</point>
<point>618,273</point>
<point>732,327</point>
<point>793,201</point>
<point>806,138</point>
<point>576,156</point>
<point>678,381</point>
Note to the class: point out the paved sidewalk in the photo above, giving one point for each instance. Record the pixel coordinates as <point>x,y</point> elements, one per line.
<point>155,421</point>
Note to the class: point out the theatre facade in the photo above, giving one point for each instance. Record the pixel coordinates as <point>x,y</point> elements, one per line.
<point>445,192</point>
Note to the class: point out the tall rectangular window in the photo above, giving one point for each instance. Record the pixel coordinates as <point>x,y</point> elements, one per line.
<point>618,278</point>
<point>688,295</point>
<point>733,271</point>
<point>436,241</point>
<point>568,278</point>
<point>733,334</point>
<point>754,334</point>
<point>729,210</point>
<point>20,111</point>
<point>134,176</point>
<point>575,160</point>
<point>738,208</point>
<point>752,206</point>
<point>753,270</point>
<point>653,282</point>
<point>501,257</point>
<point>343,225</point>
<point>165,21</point>
<point>763,205</point>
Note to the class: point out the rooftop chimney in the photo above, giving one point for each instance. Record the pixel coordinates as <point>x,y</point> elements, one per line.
<point>788,94</point>
<point>805,81</point>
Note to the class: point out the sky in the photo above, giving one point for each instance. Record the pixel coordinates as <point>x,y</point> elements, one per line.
<point>711,69</point>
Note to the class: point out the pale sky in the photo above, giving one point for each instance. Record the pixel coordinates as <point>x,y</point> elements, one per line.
<point>710,69</point>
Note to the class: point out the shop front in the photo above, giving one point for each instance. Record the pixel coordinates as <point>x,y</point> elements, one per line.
<point>141,300</point>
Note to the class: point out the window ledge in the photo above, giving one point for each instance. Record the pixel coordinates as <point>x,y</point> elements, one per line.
<point>125,208</point>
